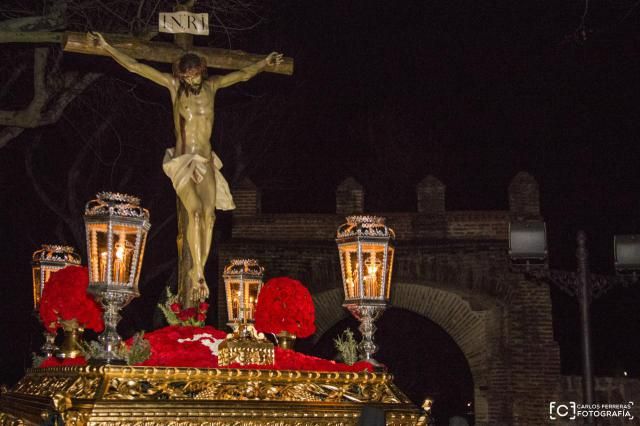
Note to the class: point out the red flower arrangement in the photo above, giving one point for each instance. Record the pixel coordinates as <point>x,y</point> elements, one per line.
<point>177,346</point>
<point>65,300</point>
<point>284,304</point>
<point>180,346</point>
<point>175,314</point>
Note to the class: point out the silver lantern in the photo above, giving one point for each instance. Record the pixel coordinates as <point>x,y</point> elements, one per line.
<point>365,246</point>
<point>116,227</point>
<point>242,282</point>
<point>45,261</point>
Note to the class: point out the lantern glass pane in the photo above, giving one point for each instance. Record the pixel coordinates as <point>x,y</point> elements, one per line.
<point>350,275</point>
<point>252,289</point>
<point>234,297</point>
<point>122,252</point>
<point>389,270</point>
<point>37,286</point>
<point>140,249</point>
<point>373,258</point>
<point>46,274</point>
<point>101,245</point>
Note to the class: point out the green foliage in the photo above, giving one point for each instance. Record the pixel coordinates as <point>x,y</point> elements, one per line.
<point>347,347</point>
<point>169,315</point>
<point>175,314</point>
<point>36,360</point>
<point>139,351</point>
<point>90,349</point>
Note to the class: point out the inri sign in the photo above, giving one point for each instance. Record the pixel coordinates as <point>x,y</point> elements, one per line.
<point>184,22</point>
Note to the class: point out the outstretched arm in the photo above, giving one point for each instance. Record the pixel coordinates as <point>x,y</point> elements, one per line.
<point>248,72</point>
<point>131,64</point>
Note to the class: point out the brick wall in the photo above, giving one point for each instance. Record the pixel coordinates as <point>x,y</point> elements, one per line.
<point>407,226</point>
<point>533,355</point>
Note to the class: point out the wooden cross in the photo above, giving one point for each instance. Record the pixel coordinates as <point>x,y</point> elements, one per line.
<point>169,53</point>
<point>146,50</point>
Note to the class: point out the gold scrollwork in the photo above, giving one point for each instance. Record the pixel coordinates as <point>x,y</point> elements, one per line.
<point>84,387</point>
<point>123,388</point>
<point>7,419</point>
<point>42,385</point>
<point>231,423</point>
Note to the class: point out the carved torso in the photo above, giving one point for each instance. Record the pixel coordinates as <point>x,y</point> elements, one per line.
<point>193,116</point>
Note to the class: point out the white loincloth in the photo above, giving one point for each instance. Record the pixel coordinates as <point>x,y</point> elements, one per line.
<point>193,166</point>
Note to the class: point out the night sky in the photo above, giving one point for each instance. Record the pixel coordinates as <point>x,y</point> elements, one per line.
<point>386,92</point>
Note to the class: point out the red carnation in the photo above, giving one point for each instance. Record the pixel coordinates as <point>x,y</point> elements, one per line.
<point>203,307</point>
<point>201,317</point>
<point>176,307</point>
<point>65,298</point>
<point>187,314</point>
<point>284,304</point>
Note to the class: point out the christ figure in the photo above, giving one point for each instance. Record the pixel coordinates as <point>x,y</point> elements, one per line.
<point>192,166</point>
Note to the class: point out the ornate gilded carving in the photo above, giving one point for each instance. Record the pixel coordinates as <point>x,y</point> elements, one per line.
<point>77,385</point>
<point>84,387</point>
<point>151,389</point>
<point>164,396</point>
<point>42,385</point>
<point>246,350</point>
<point>9,420</point>
<point>232,423</point>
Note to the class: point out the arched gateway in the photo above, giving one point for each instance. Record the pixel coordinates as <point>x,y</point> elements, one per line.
<point>451,267</point>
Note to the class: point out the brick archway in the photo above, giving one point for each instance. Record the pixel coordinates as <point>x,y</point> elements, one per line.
<point>451,267</point>
<point>466,326</point>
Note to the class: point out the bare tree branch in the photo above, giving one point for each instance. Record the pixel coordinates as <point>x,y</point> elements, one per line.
<point>66,212</point>
<point>51,94</point>
<point>9,133</point>
<point>15,74</point>
<point>54,20</point>
<point>76,87</point>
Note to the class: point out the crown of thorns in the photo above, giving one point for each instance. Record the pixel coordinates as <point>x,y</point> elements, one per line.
<point>190,65</point>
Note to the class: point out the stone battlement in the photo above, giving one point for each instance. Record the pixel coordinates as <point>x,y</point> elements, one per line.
<point>430,221</point>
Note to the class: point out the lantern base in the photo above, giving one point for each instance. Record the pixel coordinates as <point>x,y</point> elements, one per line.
<point>49,347</point>
<point>246,347</point>
<point>367,312</point>
<point>110,341</point>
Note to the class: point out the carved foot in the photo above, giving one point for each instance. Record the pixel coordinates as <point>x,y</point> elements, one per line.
<point>199,289</point>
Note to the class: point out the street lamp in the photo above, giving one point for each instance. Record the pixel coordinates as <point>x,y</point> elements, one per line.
<point>627,253</point>
<point>528,241</point>
<point>365,246</point>
<point>530,238</point>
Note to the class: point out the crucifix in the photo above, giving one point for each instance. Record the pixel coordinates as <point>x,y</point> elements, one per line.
<point>192,166</point>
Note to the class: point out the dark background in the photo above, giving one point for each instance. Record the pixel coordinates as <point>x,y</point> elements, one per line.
<point>386,92</point>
